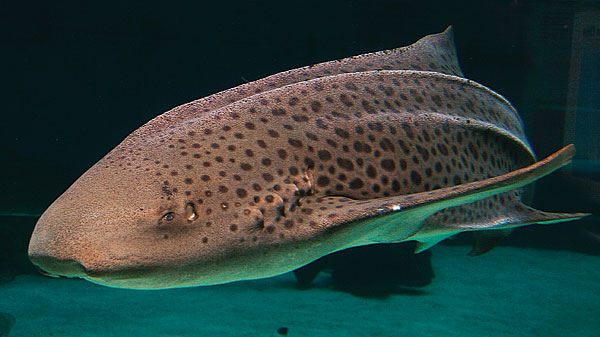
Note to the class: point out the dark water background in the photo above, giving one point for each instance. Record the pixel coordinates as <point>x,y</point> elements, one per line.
<point>78,76</point>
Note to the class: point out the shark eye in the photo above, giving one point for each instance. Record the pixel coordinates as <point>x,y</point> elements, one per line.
<point>168,216</point>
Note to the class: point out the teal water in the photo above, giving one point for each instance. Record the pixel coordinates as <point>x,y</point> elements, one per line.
<point>80,76</point>
<point>507,292</point>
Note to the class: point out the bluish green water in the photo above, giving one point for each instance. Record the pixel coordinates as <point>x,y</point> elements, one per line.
<point>507,292</point>
<point>80,76</point>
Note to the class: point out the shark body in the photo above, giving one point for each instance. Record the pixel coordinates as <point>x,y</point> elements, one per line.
<point>268,176</point>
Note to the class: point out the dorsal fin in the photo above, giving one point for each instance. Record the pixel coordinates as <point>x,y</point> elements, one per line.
<point>434,52</point>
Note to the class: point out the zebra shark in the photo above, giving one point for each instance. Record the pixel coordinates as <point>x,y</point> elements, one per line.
<point>268,176</point>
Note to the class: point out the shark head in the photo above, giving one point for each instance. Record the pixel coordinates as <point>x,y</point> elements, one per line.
<point>130,221</point>
<point>115,225</point>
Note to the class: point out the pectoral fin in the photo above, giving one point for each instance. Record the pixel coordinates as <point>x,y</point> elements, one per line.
<point>403,218</point>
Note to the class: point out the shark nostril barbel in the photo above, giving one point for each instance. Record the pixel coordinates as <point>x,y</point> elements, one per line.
<point>45,273</point>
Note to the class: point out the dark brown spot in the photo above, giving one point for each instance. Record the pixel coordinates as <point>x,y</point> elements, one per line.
<point>282,153</point>
<point>293,101</point>
<point>309,163</point>
<point>388,165</point>
<point>293,170</point>
<point>295,142</point>
<point>346,100</point>
<point>308,211</point>
<point>368,107</point>
<point>423,152</point>
<point>315,106</point>
<point>356,183</point>
<point>371,171</point>
<point>278,112</point>
<point>342,133</point>
<point>387,145</point>
<point>443,149</point>
<point>300,118</point>
<point>395,185</point>
<point>408,130</point>
<point>323,181</point>
<point>324,155</point>
<point>415,177</point>
<point>350,86</point>
<point>345,164</point>
<point>437,100</point>
<point>321,124</point>
<point>311,136</point>
<point>473,151</point>
<point>241,193</point>
<point>288,223</point>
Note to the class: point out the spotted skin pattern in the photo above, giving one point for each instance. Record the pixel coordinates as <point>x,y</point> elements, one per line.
<point>268,176</point>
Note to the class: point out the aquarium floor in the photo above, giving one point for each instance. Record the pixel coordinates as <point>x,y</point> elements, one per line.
<point>507,292</point>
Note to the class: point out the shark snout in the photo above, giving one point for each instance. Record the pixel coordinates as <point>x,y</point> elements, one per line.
<point>53,248</point>
<point>53,257</point>
<point>52,266</point>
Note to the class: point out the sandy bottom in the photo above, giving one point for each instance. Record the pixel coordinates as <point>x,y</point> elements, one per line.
<point>507,292</point>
